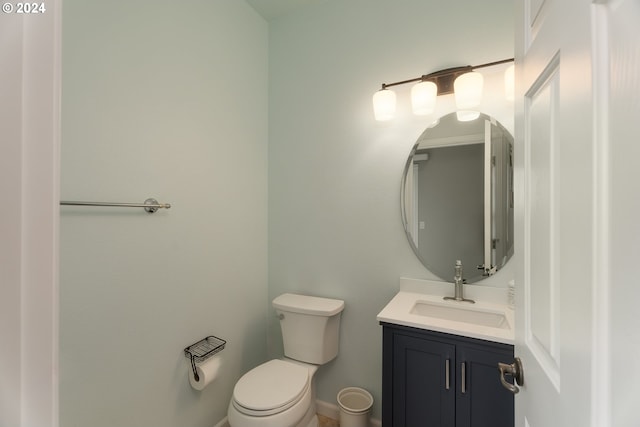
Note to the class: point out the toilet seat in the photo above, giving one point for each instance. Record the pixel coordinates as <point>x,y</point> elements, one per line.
<point>271,388</point>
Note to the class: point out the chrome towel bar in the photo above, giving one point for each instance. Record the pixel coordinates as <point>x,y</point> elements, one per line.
<point>149,205</point>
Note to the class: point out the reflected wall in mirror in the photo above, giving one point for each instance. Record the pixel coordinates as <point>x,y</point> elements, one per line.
<point>457,197</point>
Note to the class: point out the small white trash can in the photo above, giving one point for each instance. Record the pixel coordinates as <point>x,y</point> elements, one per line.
<point>355,405</point>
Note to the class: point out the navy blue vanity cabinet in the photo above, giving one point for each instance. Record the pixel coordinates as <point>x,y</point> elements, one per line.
<point>433,379</point>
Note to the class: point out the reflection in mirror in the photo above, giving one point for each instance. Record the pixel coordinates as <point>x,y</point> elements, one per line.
<point>457,197</point>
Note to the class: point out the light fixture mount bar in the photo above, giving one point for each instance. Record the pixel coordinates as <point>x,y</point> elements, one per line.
<point>386,85</point>
<point>444,78</point>
<point>491,64</point>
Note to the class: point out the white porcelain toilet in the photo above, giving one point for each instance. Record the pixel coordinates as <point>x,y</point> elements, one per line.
<point>281,392</point>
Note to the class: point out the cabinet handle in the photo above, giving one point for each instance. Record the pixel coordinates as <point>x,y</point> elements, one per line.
<point>463,384</point>
<point>446,374</point>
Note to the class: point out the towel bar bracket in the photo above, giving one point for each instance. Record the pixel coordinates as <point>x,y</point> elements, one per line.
<point>154,205</point>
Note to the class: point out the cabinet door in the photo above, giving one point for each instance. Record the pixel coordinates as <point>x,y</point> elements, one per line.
<point>482,400</point>
<point>423,389</point>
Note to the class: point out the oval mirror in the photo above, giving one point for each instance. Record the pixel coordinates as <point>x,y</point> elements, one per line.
<point>457,197</point>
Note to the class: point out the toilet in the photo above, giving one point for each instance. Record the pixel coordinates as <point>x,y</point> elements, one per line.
<point>281,392</point>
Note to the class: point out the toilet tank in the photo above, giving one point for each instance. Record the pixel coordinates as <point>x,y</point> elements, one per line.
<point>310,327</point>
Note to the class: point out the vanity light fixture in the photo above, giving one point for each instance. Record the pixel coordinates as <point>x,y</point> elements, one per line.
<point>464,82</point>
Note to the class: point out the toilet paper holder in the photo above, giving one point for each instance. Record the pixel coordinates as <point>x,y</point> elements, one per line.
<point>202,350</point>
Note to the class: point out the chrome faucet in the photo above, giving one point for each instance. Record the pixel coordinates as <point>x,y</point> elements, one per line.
<point>458,282</point>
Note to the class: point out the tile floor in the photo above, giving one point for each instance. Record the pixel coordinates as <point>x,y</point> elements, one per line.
<point>327,422</point>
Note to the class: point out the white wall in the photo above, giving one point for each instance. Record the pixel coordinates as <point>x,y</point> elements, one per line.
<point>172,103</point>
<point>165,100</point>
<point>334,173</point>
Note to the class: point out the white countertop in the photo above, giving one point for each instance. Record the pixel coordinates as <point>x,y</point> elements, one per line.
<point>488,299</point>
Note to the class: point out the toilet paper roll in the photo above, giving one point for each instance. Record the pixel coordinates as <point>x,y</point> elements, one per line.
<point>207,372</point>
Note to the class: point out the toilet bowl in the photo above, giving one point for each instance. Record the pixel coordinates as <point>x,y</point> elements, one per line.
<point>281,392</point>
<point>278,393</point>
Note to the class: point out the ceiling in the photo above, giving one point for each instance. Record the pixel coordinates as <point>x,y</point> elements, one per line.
<point>272,9</point>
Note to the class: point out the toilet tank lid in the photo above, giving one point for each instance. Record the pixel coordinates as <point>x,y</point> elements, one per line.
<point>308,305</point>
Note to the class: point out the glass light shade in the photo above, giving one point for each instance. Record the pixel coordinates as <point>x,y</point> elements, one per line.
<point>468,90</point>
<point>467,115</point>
<point>509,83</point>
<point>423,98</point>
<point>384,105</point>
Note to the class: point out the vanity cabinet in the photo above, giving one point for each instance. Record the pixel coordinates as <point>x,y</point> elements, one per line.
<point>433,379</point>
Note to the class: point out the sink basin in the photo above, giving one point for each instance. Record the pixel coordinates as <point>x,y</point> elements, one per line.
<point>456,312</point>
<point>419,304</point>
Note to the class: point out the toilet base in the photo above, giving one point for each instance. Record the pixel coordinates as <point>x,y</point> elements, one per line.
<point>314,422</point>
<point>311,418</point>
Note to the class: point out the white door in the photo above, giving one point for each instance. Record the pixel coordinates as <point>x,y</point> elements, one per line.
<point>568,131</point>
<point>29,158</point>
<point>554,241</point>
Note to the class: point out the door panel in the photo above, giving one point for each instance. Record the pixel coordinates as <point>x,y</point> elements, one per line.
<point>541,118</point>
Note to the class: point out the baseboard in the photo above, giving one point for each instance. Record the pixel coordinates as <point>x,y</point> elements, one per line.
<point>323,408</point>
<point>223,423</point>
<point>327,409</point>
<point>332,411</point>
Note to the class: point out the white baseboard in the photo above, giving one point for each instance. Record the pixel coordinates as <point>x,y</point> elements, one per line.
<point>223,423</point>
<point>323,408</point>
<point>327,409</point>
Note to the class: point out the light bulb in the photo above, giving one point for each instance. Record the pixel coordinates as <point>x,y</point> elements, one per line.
<point>384,105</point>
<point>423,98</point>
<point>509,83</point>
<point>468,90</point>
